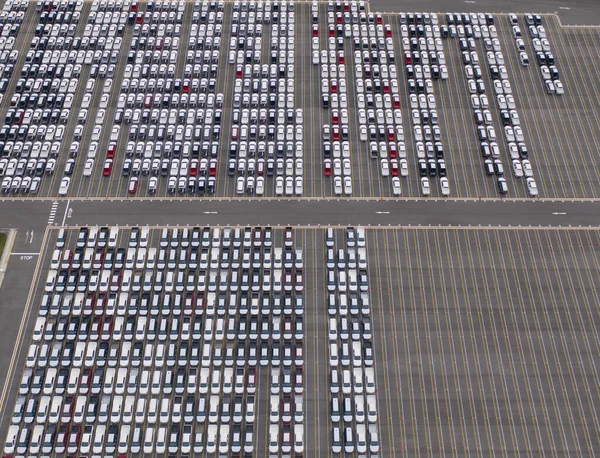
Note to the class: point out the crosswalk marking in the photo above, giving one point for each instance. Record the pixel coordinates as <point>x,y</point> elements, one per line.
<point>52,213</point>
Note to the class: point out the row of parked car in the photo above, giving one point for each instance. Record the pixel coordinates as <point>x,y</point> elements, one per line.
<point>11,20</point>
<point>267,130</point>
<point>542,49</point>
<point>173,124</point>
<point>509,116</point>
<point>336,145</point>
<point>353,408</point>
<point>35,123</point>
<point>106,373</point>
<point>423,58</point>
<point>377,77</point>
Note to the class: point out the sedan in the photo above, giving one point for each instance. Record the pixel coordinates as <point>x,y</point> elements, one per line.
<point>445,186</point>
<point>425,189</point>
<point>532,187</point>
<point>337,185</point>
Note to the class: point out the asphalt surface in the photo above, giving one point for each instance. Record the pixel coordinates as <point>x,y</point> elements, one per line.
<point>482,341</point>
<point>571,12</point>
<point>334,213</point>
<point>466,377</point>
<point>561,132</point>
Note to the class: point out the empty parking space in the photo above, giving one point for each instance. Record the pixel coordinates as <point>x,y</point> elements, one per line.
<point>489,337</point>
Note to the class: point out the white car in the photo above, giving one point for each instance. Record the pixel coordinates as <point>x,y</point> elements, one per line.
<point>517,168</point>
<point>337,186</point>
<point>64,186</point>
<point>425,189</point>
<point>279,186</point>
<point>396,189</point>
<point>524,58</point>
<point>385,168</point>
<point>89,166</point>
<point>347,185</point>
<point>260,186</point>
<point>403,167</point>
<point>558,87</point>
<point>527,169</point>
<point>445,185</point>
<point>289,186</point>
<point>363,133</point>
<point>532,187</point>
<point>299,186</point>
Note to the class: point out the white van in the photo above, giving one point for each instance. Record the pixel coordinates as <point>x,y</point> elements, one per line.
<point>333,354</point>
<point>32,355</point>
<point>298,439</point>
<point>124,435</point>
<point>274,409</point>
<point>50,281</point>
<point>73,380</point>
<point>11,439</point>
<point>144,237</point>
<point>149,441</point>
<point>55,262</point>
<point>343,307</point>
<point>112,237</point>
<point>99,439</point>
<point>151,259</point>
<point>211,439</point>
<point>220,330</point>
<point>274,438</point>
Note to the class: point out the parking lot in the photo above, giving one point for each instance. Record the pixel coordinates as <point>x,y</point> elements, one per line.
<point>185,123</point>
<point>488,337</point>
<point>191,358</point>
<point>480,342</point>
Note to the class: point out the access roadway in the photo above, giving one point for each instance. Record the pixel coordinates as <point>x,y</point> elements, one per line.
<point>27,215</point>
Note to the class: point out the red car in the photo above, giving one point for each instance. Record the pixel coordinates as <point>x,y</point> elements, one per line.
<point>335,117</point>
<point>212,171</point>
<point>194,167</point>
<point>378,18</point>
<point>396,100</point>
<point>386,87</point>
<point>331,29</point>
<point>391,135</point>
<point>394,168</point>
<point>133,185</point>
<point>239,71</point>
<point>186,86</point>
<point>334,86</point>
<point>335,131</point>
<point>108,164</point>
<point>327,167</point>
<point>393,150</point>
<point>340,57</point>
<point>315,30</point>
<point>388,30</point>
<point>111,151</point>
<point>339,18</point>
<point>260,167</point>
